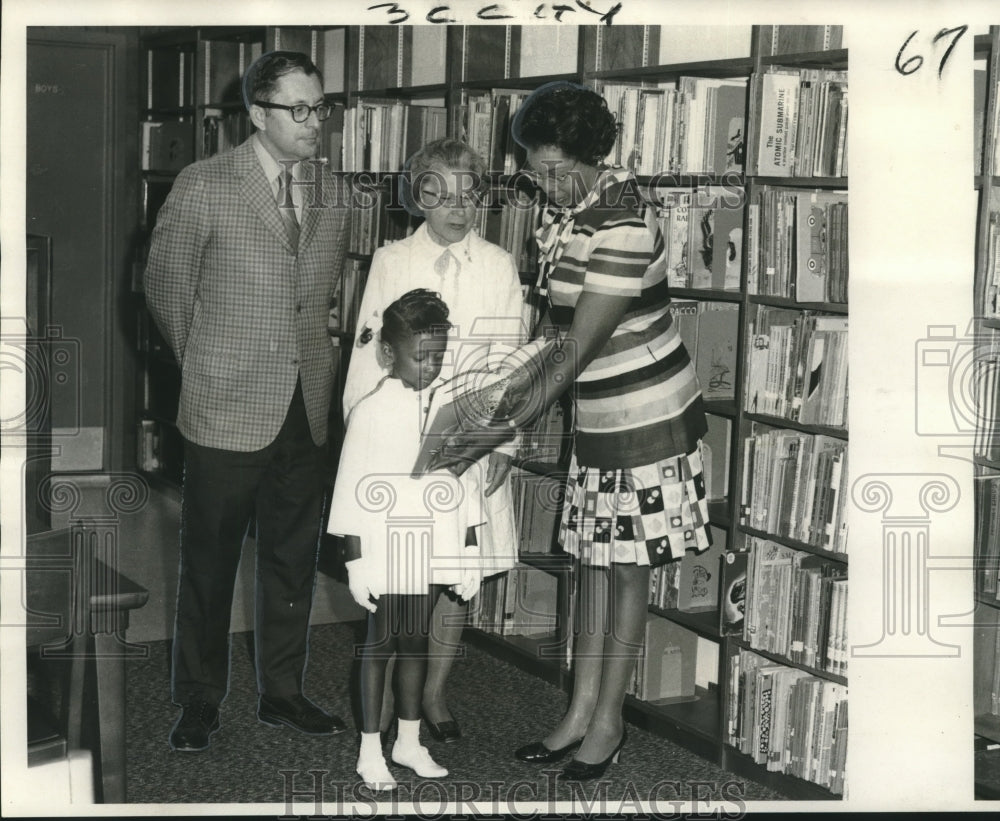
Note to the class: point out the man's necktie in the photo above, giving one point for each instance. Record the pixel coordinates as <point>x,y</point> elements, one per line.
<point>287,211</point>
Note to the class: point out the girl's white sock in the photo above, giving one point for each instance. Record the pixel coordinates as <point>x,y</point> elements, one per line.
<point>409,733</point>
<point>371,746</point>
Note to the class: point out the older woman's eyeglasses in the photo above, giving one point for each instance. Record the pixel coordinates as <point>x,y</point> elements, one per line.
<point>301,112</point>
<point>431,199</point>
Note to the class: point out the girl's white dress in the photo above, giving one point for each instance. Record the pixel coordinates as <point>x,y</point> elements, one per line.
<point>412,530</point>
<point>478,281</point>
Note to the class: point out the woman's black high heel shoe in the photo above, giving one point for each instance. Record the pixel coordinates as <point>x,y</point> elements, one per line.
<point>581,771</point>
<point>537,753</point>
<point>446,731</point>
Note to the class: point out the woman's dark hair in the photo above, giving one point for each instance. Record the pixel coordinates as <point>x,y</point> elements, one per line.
<point>261,78</point>
<point>416,312</point>
<point>573,118</point>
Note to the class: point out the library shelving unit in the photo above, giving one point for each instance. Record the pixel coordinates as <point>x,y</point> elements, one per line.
<point>705,686</point>
<point>986,650</point>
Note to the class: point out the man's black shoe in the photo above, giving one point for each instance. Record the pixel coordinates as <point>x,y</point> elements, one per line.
<point>193,731</point>
<point>300,714</point>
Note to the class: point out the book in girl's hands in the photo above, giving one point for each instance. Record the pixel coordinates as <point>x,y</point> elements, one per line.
<point>468,407</point>
<point>468,416</point>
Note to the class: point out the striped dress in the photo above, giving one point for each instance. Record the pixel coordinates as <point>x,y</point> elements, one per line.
<point>636,491</point>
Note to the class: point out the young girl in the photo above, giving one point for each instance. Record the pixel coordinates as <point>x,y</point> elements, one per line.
<point>479,282</point>
<point>408,539</point>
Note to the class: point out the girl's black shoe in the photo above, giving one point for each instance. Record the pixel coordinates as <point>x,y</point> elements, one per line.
<point>581,771</point>
<point>537,753</point>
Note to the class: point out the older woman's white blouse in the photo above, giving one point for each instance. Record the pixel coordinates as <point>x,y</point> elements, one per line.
<point>481,288</point>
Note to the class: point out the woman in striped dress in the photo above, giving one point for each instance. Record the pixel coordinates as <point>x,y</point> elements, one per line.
<point>635,496</point>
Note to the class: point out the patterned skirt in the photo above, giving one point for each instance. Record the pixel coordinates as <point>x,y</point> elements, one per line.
<point>647,515</point>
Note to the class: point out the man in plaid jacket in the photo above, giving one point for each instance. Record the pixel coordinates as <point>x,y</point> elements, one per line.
<point>246,254</point>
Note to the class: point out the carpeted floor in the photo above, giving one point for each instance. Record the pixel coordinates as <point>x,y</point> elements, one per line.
<point>498,707</point>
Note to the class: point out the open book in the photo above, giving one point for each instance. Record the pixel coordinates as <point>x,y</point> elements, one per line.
<point>468,405</point>
<point>471,407</point>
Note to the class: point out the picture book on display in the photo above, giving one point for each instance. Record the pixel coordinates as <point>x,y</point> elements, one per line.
<point>470,407</point>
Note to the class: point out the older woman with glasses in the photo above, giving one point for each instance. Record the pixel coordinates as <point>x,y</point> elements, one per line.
<point>444,183</point>
<point>635,496</point>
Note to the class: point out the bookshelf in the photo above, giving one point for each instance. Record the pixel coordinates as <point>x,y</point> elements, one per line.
<point>393,80</point>
<point>986,651</point>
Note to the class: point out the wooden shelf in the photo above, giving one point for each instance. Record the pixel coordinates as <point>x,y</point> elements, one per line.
<point>528,83</point>
<point>398,93</point>
<point>783,422</point>
<point>733,67</point>
<point>778,659</point>
<point>791,786</point>
<point>801,182</point>
<point>986,602</point>
<point>541,657</point>
<point>704,623</point>
<point>549,562</point>
<point>706,294</point>
<point>722,407</point>
<point>692,180</point>
<point>694,723</point>
<point>988,726</point>
<point>720,513</point>
<point>178,112</point>
<point>832,59</point>
<point>786,302</point>
<point>795,544</point>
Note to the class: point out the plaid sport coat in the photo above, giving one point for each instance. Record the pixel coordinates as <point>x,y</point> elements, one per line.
<point>244,314</point>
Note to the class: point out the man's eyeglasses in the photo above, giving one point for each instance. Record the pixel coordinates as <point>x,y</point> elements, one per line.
<point>301,112</point>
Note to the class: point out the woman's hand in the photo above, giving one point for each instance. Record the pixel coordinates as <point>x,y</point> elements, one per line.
<point>359,582</point>
<point>496,472</point>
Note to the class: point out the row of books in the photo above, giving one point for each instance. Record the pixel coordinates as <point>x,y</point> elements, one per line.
<point>511,226</point>
<point>547,441</point>
<point>798,244</point>
<point>991,272</point>
<point>709,331</point>
<point>381,135</point>
<point>665,669</point>
<point>221,131</point>
<point>985,391</point>
<point>796,366</point>
<point>347,300</point>
<point>995,167</point>
<point>537,504</point>
<point>987,536</point>
<point>376,220</point>
<point>793,486</point>
<point>798,123</point>
<point>702,234</point>
<point>691,583</point>
<point>520,602</point>
<point>486,117</point>
<point>695,127</point>
<point>796,606</point>
<point>788,720</point>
